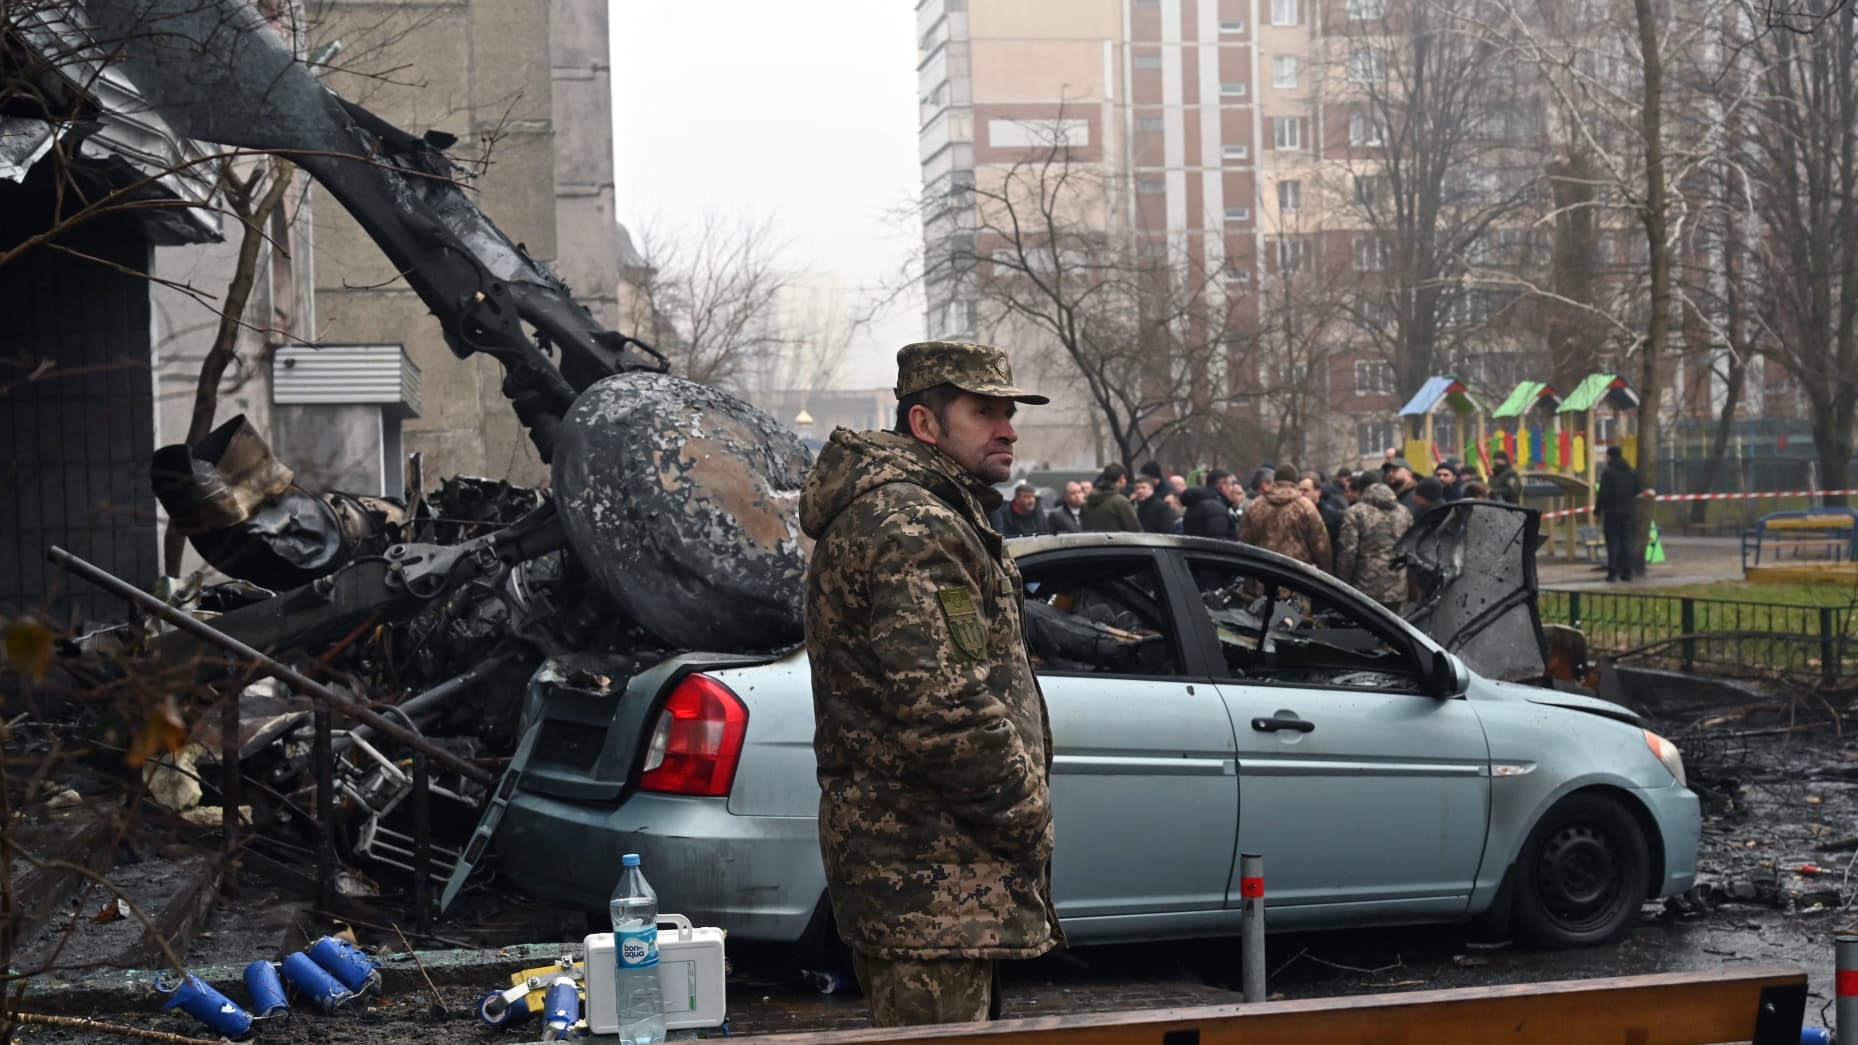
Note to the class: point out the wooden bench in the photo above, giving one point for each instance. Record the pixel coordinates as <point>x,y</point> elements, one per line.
<point>1831,531</point>
<point>1765,1006</point>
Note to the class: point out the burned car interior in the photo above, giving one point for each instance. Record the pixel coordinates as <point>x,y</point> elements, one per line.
<point>1271,632</point>
<point>1096,616</point>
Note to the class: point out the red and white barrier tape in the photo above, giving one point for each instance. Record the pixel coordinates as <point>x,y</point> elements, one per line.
<point>1714,497</point>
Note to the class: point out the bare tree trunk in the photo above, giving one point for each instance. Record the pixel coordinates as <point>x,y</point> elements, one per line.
<point>1719,438</point>
<point>1651,380</point>
<point>255,217</point>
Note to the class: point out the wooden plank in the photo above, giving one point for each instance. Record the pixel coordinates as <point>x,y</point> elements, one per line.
<point>1690,1008</point>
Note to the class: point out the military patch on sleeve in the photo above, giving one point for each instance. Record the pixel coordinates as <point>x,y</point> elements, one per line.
<point>964,621</point>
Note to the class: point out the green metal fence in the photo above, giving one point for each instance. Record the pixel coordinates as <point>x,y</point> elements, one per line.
<point>1815,641</point>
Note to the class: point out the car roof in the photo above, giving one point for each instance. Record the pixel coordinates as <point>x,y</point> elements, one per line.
<point>1020,546</point>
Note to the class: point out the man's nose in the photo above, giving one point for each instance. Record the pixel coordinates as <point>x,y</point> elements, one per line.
<point>1004,431</point>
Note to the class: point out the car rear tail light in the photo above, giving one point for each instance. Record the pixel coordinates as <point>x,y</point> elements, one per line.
<point>698,740</point>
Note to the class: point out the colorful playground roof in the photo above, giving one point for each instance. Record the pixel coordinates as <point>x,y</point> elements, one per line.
<point>1448,390</point>
<point>1595,389</point>
<point>1526,397</point>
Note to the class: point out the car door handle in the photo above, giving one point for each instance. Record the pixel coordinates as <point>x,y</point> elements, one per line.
<point>1272,725</point>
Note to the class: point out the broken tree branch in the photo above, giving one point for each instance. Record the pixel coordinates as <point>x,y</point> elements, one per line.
<point>86,1023</point>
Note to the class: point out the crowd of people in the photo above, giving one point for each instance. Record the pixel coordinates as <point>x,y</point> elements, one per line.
<point>1345,523</point>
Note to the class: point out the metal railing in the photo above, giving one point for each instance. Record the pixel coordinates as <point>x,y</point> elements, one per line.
<point>1759,637</point>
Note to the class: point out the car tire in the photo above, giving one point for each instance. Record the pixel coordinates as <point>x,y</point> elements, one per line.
<point>1583,874</point>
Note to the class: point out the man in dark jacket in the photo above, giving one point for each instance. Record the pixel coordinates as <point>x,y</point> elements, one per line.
<point>1021,516</point>
<point>1614,501</point>
<point>1506,484</point>
<point>1153,511</point>
<point>1107,508</point>
<point>1209,514</point>
<point>931,740</point>
<point>1068,517</point>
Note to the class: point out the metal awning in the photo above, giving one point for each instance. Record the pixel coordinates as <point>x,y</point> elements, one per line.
<point>112,132</point>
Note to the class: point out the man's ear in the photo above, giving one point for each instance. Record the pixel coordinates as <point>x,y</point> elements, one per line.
<point>923,425</point>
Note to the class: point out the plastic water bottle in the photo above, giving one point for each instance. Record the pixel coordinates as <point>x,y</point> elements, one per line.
<point>636,993</point>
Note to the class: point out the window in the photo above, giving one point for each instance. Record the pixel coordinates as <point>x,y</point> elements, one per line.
<point>1289,195</point>
<point>1366,129</point>
<point>1284,69</point>
<point>1099,617</point>
<point>1148,61</point>
<point>1284,12</point>
<point>1238,214</point>
<point>1291,252</point>
<point>1232,89</point>
<point>1232,27</point>
<point>1363,10</point>
<point>1287,132</point>
<point>1149,124</point>
<point>1375,378</point>
<point>1369,188</point>
<point>1235,152</point>
<point>1372,438</point>
<point>1370,254</point>
<point>1236,274</point>
<point>1366,65</point>
<point>1151,186</point>
<point>1276,628</point>
<point>1155,248</point>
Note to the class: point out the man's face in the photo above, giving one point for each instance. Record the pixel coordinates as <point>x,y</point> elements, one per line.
<point>1307,487</point>
<point>1143,488</point>
<point>1229,489</point>
<point>977,431</point>
<point>1023,500</point>
<point>1178,483</point>
<point>1446,476</point>
<point>1400,479</point>
<point>1074,495</point>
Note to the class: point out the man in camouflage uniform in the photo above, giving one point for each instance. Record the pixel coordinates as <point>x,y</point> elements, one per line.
<point>930,732</point>
<point>1284,521</point>
<point>1364,549</point>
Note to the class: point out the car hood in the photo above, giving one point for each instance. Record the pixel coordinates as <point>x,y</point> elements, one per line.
<point>1493,690</point>
<point>1475,564</point>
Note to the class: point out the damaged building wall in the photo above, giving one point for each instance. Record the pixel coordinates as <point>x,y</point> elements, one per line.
<point>487,73</point>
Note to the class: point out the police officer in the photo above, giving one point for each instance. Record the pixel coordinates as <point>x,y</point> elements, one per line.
<point>930,733</point>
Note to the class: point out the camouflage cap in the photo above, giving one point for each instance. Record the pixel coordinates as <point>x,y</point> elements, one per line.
<point>981,369</point>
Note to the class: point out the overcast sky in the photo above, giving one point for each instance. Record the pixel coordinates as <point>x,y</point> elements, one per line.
<point>804,113</point>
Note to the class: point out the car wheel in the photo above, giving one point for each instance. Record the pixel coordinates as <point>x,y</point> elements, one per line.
<point>1583,873</point>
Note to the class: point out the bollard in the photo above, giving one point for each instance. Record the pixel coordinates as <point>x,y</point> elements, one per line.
<point>267,991</point>
<point>198,999</point>
<point>1845,986</point>
<point>312,982</point>
<point>562,1010</point>
<point>347,963</point>
<point>1251,951</point>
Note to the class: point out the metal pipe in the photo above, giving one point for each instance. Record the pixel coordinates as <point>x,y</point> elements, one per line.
<point>229,791</point>
<point>1845,987</point>
<point>295,679</point>
<point>322,758</point>
<point>414,705</point>
<point>1251,950</point>
<point>422,845</point>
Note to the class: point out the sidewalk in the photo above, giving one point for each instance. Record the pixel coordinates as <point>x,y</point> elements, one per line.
<point>1688,560</point>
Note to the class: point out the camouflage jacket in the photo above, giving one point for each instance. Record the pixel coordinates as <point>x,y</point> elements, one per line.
<point>930,733</point>
<point>1365,548</point>
<point>1284,521</point>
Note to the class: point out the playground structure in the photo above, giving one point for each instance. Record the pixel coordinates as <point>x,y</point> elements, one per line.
<point>1556,442</point>
<point>1420,430</point>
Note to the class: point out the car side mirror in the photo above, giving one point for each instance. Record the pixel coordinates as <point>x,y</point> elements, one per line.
<point>1446,678</point>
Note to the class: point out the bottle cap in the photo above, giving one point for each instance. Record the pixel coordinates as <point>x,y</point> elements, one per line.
<point>629,860</point>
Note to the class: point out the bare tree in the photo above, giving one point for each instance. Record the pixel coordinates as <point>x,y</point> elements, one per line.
<point>708,298</point>
<point>1140,324</point>
<point>1443,144</point>
<point>1804,161</point>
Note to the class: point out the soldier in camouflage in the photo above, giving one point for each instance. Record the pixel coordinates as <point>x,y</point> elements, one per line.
<point>930,734</point>
<point>1365,549</point>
